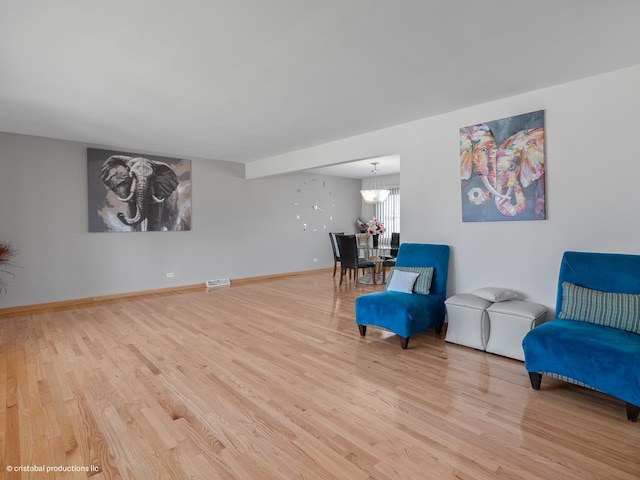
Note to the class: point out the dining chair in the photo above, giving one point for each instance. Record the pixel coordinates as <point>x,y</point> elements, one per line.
<point>390,260</point>
<point>363,244</point>
<point>336,250</point>
<point>395,244</point>
<point>350,260</point>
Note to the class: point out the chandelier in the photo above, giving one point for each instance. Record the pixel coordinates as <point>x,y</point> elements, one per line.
<point>374,195</point>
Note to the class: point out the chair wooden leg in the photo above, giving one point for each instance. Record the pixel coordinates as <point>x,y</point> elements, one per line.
<point>355,277</point>
<point>342,272</point>
<point>536,379</point>
<point>632,412</point>
<point>404,342</point>
<point>335,267</point>
<point>363,330</point>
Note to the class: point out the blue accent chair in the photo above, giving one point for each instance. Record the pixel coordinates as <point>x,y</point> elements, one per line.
<point>594,340</point>
<point>406,314</point>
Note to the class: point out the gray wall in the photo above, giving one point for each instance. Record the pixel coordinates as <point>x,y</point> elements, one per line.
<point>241,228</point>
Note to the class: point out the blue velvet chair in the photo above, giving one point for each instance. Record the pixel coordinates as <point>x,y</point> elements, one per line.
<point>594,341</point>
<point>406,314</point>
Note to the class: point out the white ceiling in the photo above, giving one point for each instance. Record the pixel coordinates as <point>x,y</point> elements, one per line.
<point>246,80</point>
<point>386,165</point>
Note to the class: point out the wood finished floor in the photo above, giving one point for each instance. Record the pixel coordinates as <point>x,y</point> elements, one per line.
<point>272,381</point>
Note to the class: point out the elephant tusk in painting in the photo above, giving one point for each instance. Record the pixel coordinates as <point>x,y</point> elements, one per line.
<point>131,193</point>
<point>497,194</point>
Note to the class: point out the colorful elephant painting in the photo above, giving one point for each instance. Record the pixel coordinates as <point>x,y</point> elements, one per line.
<point>503,161</point>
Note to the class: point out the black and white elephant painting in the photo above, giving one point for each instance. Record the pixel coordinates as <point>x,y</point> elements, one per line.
<point>138,193</point>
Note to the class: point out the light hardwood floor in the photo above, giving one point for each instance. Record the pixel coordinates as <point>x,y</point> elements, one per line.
<point>271,380</point>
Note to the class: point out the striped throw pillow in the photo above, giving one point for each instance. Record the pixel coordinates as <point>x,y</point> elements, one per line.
<point>423,282</point>
<point>616,310</point>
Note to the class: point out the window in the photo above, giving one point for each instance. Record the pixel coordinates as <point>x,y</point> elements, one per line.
<point>388,212</point>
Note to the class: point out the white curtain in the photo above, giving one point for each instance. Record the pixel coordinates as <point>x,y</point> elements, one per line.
<point>388,212</point>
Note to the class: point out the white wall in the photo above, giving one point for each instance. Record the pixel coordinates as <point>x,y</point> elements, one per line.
<point>240,228</point>
<point>591,183</point>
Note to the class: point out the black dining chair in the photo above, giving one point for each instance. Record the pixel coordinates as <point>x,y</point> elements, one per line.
<point>336,250</point>
<point>395,244</point>
<point>390,261</point>
<point>349,260</point>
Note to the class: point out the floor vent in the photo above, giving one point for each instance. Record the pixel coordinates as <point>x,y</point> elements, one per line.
<point>218,282</point>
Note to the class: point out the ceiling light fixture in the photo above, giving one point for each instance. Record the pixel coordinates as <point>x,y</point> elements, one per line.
<point>374,195</point>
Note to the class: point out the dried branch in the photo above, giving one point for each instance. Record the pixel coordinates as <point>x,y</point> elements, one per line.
<point>7,253</point>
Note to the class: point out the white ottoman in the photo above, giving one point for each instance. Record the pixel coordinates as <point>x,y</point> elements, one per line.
<point>510,321</point>
<point>468,321</point>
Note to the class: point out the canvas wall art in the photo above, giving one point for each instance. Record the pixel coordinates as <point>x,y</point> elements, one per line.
<point>502,169</point>
<point>130,192</point>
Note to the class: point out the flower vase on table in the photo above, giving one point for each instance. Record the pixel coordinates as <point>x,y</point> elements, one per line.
<point>375,228</point>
